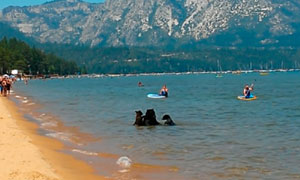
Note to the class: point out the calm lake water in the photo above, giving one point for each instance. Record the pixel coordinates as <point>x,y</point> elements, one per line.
<point>216,137</point>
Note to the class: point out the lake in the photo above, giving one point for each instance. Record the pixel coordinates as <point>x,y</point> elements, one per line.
<point>216,137</point>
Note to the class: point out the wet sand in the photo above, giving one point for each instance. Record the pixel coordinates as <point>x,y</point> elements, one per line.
<point>26,155</point>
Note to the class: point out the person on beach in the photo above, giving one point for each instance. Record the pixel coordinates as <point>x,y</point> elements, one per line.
<point>8,85</point>
<point>1,84</point>
<point>247,90</point>
<point>4,87</point>
<point>164,91</point>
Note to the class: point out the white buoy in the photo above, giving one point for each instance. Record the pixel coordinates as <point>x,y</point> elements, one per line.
<point>124,162</point>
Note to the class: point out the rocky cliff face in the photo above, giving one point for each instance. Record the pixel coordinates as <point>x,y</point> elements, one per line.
<point>158,22</point>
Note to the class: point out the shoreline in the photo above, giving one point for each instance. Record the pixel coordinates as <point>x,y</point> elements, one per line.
<point>25,154</point>
<point>210,154</point>
<point>66,153</point>
<point>111,75</point>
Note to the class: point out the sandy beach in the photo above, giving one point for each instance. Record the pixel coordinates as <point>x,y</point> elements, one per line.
<point>26,155</point>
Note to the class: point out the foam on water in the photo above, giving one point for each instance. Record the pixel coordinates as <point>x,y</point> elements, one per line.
<point>25,101</point>
<point>44,114</point>
<point>85,152</point>
<point>60,135</point>
<point>49,124</point>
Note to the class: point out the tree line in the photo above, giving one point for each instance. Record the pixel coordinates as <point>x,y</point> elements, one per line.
<point>16,54</point>
<point>153,59</point>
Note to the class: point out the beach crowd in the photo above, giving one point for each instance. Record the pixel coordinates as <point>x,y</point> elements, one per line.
<point>6,82</point>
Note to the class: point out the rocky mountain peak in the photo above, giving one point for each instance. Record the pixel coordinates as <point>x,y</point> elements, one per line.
<point>157,22</point>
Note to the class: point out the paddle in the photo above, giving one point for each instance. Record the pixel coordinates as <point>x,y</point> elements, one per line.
<point>251,87</point>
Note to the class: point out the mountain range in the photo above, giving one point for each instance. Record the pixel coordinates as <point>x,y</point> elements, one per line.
<point>159,23</point>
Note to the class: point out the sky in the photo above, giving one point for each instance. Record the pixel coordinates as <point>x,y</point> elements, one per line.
<point>6,3</point>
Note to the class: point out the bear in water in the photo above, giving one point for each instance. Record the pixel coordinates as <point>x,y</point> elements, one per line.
<point>168,120</point>
<point>139,118</point>
<point>150,119</point>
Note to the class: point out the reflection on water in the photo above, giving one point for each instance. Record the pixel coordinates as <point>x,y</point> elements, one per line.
<point>217,136</point>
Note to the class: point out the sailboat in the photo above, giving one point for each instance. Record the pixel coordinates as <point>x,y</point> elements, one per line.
<point>219,74</point>
<point>263,70</point>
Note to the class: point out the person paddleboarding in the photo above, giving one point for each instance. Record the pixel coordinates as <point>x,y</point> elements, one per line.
<point>247,90</point>
<point>164,91</point>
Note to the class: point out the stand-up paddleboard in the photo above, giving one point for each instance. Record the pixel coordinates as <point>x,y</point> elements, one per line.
<point>247,99</point>
<point>155,96</point>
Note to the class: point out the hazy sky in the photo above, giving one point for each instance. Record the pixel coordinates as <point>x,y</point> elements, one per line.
<point>6,3</point>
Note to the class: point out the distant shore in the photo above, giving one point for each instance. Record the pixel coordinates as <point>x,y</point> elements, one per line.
<point>26,155</point>
<point>161,73</point>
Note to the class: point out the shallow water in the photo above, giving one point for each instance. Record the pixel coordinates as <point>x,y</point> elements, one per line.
<point>217,136</point>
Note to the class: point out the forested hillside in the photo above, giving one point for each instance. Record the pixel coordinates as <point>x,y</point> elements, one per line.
<point>16,54</point>
<point>153,59</point>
